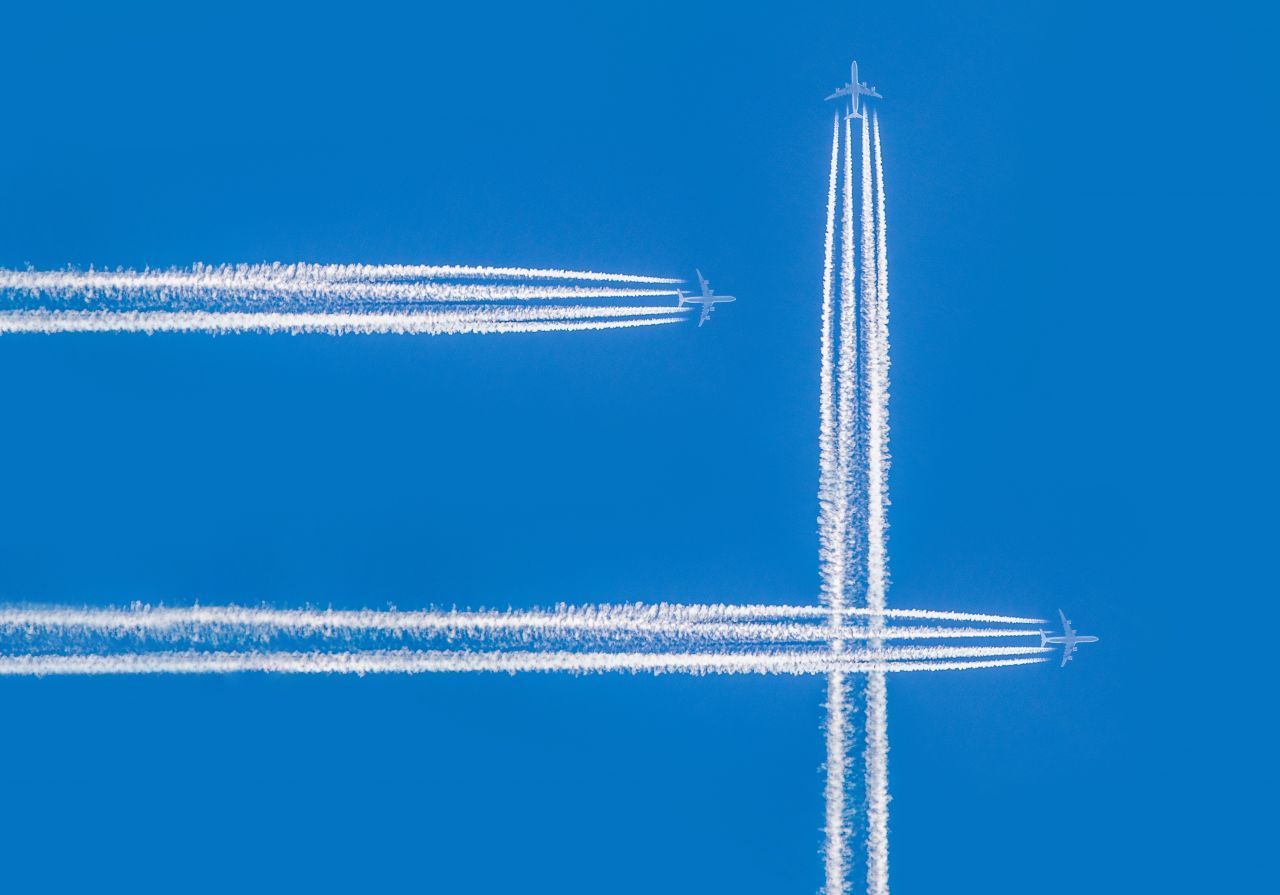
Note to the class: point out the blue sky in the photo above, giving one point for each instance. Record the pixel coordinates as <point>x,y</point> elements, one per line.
<point>1078,420</point>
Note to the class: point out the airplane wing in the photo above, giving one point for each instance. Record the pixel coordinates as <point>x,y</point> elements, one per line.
<point>1066,656</point>
<point>840,91</point>
<point>702,282</point>
<point>1066,624</point>
<point>707,308</point>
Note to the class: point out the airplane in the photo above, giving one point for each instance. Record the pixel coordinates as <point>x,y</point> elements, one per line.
<point>1069,639</point>
<point>708,299</point>
<point>853,90</point>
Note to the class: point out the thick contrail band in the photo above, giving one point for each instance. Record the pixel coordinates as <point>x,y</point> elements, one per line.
<point>610,623</point>
<point>170,286</point>
<point>239,277</point>
<point>586,617</point>
<point>422,662</point>
<point>426,322</point>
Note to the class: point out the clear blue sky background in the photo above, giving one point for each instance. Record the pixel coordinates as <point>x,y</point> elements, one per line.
<point>1079,344</point>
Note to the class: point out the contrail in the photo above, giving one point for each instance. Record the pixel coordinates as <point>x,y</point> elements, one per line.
<point>837,825</point>
<point>875,336</point>
<point>846,374</point>
<point>251,276</point>
<point>875,297</point>
<point>421,662</point>
<point>372,272</point>
<point>839,555</point>
<point>426,322</point>
<point>203,621</point>
<point>224,285</point>
<point>830,549</point>
<point>562,615</point>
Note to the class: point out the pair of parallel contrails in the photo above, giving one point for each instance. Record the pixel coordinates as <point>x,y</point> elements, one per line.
<point>334,299</point>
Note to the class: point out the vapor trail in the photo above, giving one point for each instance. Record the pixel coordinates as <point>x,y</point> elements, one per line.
<point>425,322</point>
<point>422,662</point>
<point>373,272</point>
<point>846,379</point>
<point>837,825</point>
<point>219,284</point>
<point>837,556</point>
<point>563,615</point>
<point>830,549</point>
<point>239,276</point>
<point>875,297</point>
<point>604,622</point>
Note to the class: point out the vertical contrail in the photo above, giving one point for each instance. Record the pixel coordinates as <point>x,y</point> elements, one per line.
<point>877,741</point>
<point>829,545</point>
<point>839,706</point>
<point>847,371</point>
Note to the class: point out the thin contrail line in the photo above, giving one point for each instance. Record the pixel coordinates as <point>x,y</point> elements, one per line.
<point>241,276</point>
<point>846,376</point>
<point>874,336</point>
<point>370,272</point>
<point>837,827</point>
<point>829,546</point>
<point>418,662</point>
<point>875,298</point>
<point>427,322</point>
<point>563,615</point>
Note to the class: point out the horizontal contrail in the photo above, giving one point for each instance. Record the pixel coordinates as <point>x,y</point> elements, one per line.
<point>605,620</point>
<point>421,662</point>
<point>427,272</point>
<point>204,285</point>
<point>437,322</point>
<point>735,612</point>
<point>296,276</point>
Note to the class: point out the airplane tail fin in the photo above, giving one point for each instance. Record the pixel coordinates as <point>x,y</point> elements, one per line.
<point>680,293</point>
<point>1044,639</point>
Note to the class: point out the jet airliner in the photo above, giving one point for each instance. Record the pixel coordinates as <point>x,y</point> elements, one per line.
<point>853,90</point>
<point>708,299</point>
<point>1069,639</point>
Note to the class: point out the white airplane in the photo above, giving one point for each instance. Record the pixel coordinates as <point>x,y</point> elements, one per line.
<point>708,299</point>
<point>853,90</point>
<point>1069,639</point>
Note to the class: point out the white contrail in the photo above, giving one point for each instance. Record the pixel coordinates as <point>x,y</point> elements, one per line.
<point>618,622</point>
<point>233,277</point>
<point>837,831</point>
<point>846,379</point>
<point>876,329</point>
<point>839,553</point>
<point>875,335</point>
<point>426,322</point>
<point>222,285</point>
<point>372,272</point>
<point>563,617</point>
<point>421,662</point>
<point>830,549</point>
